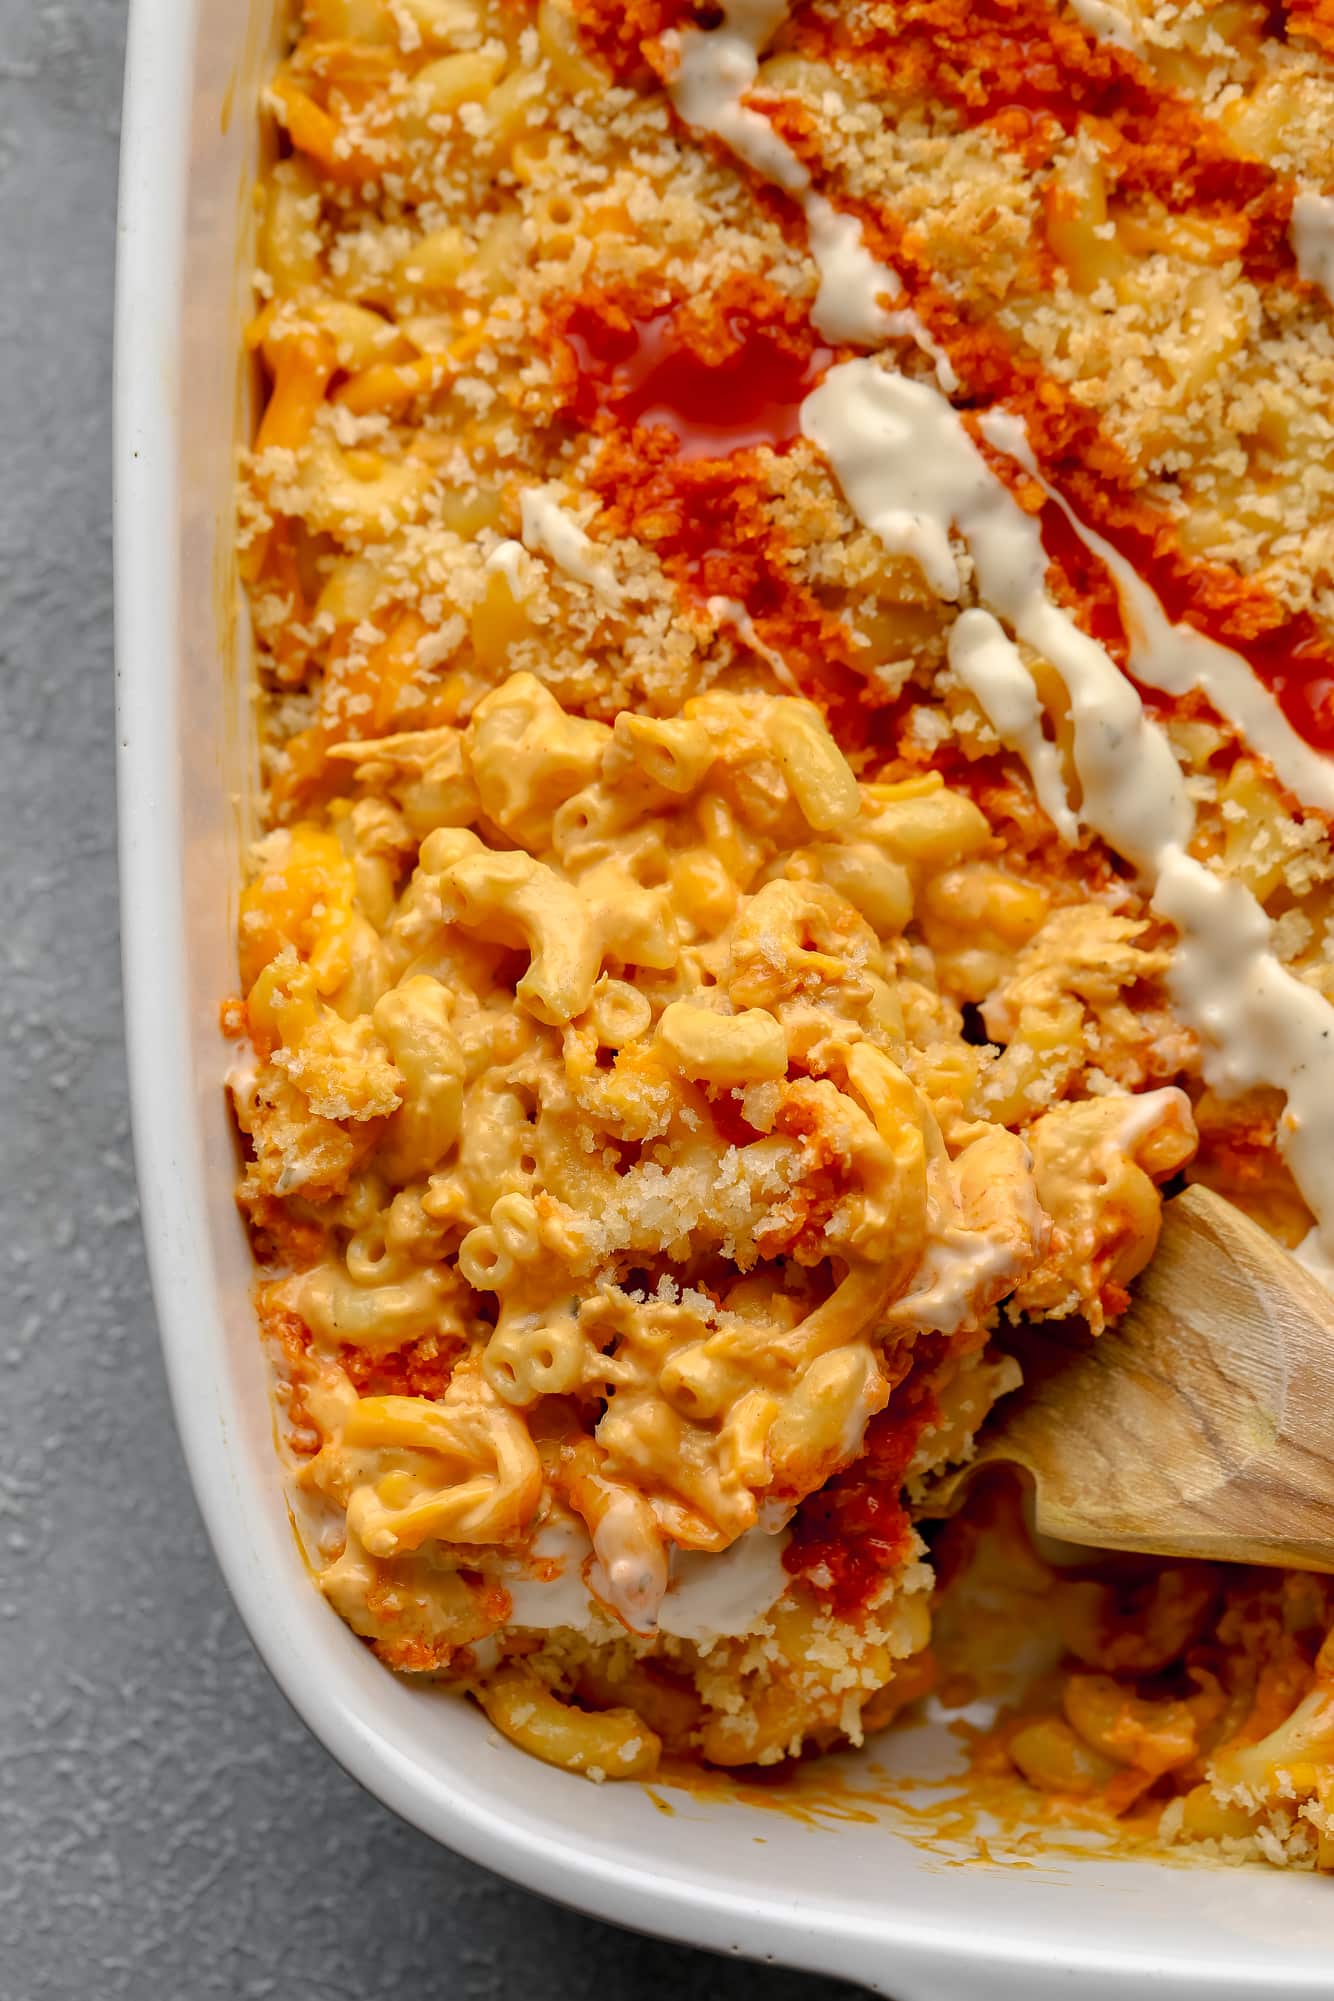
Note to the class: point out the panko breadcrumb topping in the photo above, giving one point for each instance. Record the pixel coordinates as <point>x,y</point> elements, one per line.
<point>699,1002</point>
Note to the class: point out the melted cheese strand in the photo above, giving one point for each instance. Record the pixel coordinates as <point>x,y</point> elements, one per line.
<point>911,473</point>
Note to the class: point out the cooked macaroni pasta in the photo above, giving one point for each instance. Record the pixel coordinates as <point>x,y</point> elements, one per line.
<point>777,551</point>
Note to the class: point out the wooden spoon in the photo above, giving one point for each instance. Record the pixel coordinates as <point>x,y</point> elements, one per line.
<point>1202,1424</point>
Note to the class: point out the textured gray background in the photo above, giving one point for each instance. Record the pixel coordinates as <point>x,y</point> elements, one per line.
<point>167,1830</point>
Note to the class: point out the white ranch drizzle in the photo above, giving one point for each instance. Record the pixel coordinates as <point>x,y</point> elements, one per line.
<point>961,1273</point>
<point>550,530</point>
<point>626,1573</point>
<point>848,306</point>
<point>911,473</point>
<point>560,1598</point>
<point>988,662</point>
<point>1145,1110</point>
<point>716,1597</point>
<point>715,69</point>
<point>1107,24</point>
<point>509,557</point>
<point>1177,658</point>
<point>1311,233</point>
<point>731,611</point>
<point>965,1270</point>
<point>709,1596</point>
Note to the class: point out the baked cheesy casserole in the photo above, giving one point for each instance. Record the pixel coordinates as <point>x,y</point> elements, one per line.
<point>790,549</point>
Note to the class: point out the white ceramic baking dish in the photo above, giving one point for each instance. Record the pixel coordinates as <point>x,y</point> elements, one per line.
<point>855,1898</point>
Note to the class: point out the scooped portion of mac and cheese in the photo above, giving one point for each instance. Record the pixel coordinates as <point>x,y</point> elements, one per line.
<point>656,1187</point>
<point>788,557</point>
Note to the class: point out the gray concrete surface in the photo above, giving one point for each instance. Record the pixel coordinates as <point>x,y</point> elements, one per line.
<point>167,1830</point>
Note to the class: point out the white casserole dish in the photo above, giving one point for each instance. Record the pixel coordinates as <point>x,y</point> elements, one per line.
<point>856,1898</point>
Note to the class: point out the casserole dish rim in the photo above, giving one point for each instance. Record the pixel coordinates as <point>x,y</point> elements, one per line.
<point>164,135</point>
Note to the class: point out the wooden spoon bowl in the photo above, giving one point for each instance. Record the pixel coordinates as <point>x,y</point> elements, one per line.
<point>1202,1424</point>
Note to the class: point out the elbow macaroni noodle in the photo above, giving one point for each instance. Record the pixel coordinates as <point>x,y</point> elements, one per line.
<point>690,1028</point>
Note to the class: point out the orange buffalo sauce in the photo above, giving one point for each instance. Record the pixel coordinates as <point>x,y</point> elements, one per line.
<point>849,1536</point>
<point>712,405</point>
